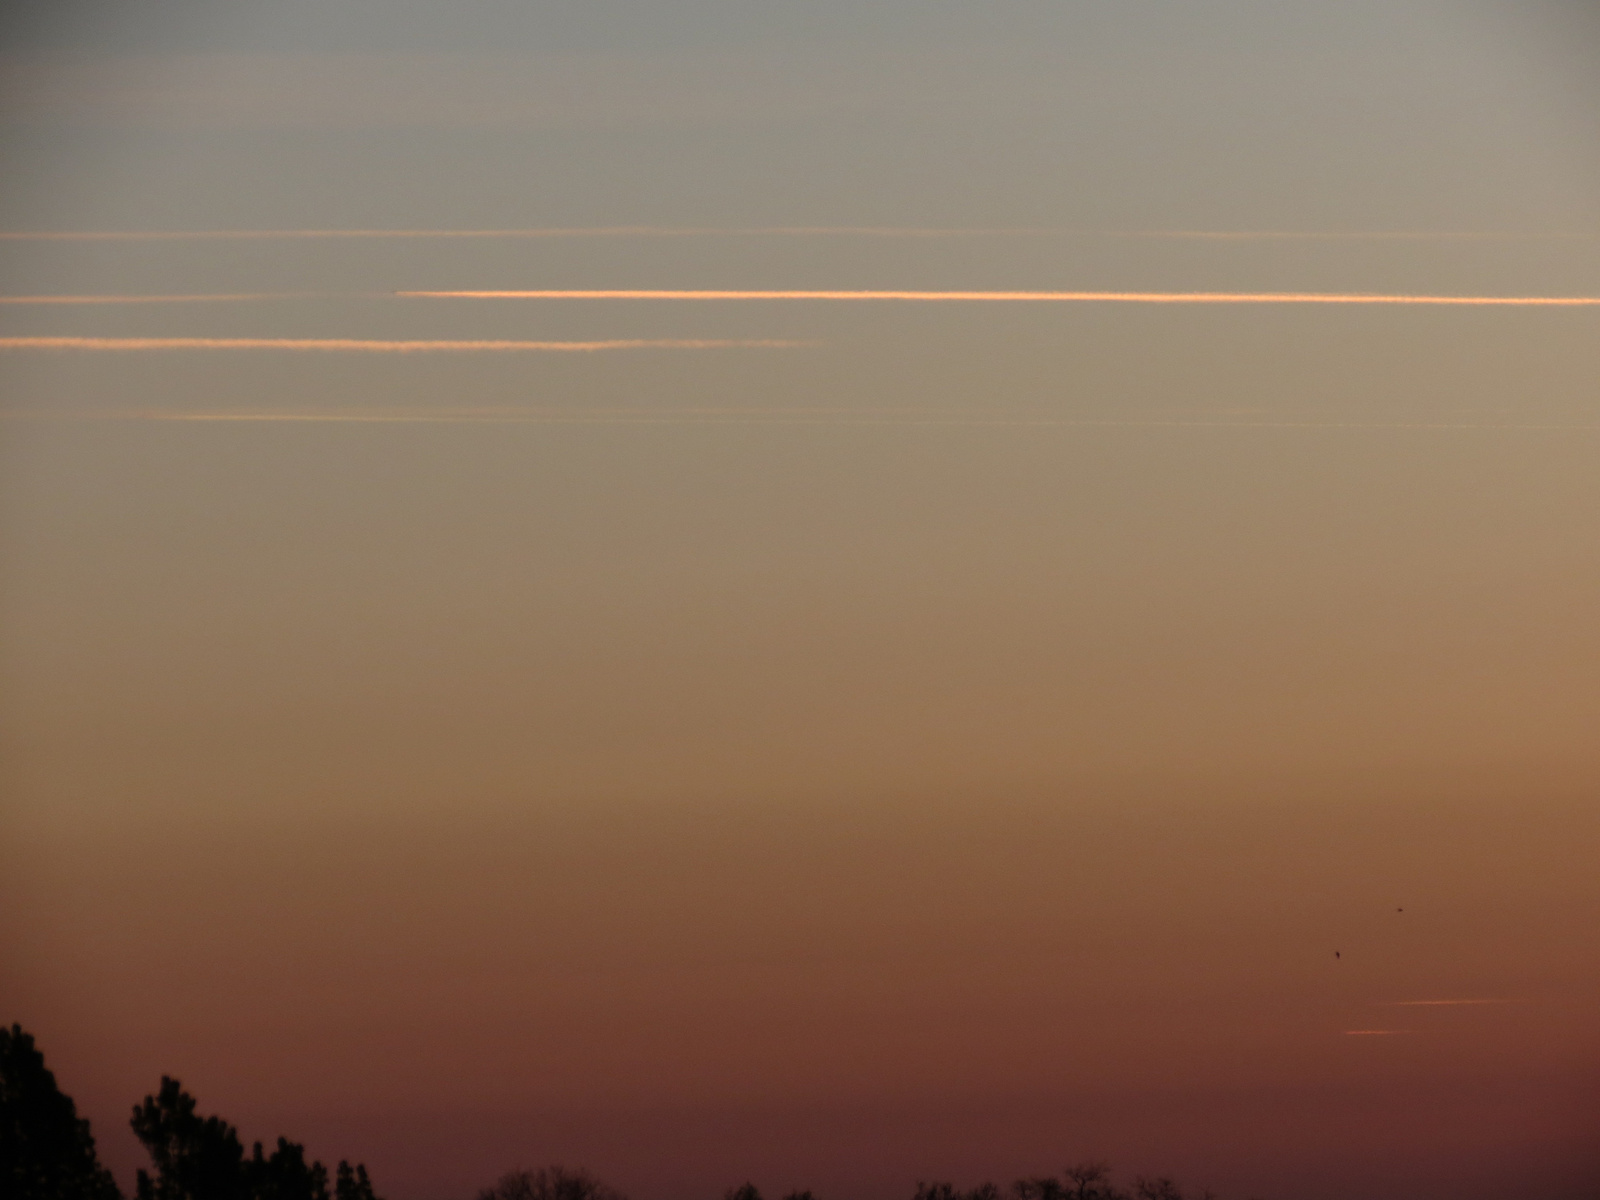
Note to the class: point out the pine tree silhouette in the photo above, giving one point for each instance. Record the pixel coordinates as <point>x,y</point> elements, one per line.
<point>46,1150</point>
<point>195,1157</point>
<point>201,1158</point>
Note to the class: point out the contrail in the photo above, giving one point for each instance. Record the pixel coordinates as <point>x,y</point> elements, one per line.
<point>1368,235</point>
<point>797,231</point>
<point>1014,297</point>
<point>1375,1032</point>
<point>604,231</point>
<point>1442,1003</point>
<point>245,235</point>
<point>198,298</point>
<point>735,416</point>
<point>378,347</point>
<point>1019,297</point>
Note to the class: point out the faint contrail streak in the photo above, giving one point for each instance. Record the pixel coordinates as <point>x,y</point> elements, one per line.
<point>1016,297</point>
<point>209,235</point>
<point>604,231</point>
<point>1369,235</point>
<point>735,416</point>
<point>1443,1003</point>
<point>198,298</point>
<point>850,295</point>
<point>871,231</point>
<point>1374,1032</point>
<point>376,347</point>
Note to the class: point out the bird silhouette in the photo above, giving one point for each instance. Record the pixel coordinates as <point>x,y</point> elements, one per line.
<point>1336,954</point>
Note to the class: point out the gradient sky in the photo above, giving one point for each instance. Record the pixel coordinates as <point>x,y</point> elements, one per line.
<point>828,741</point>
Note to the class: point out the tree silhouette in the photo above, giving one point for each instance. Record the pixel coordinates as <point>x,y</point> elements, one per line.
<point>47,1153</point>
<point>749,1191</point>
<point>201,1158</point>
<point>46,1150</point>
<point>285,1174</point>
<point>351,1183</point>
<point>1090,1181</point>
<point>195,1157</point>
<point>944,1191</point>
<point>547,1183</point>
<point>1045,1188</point>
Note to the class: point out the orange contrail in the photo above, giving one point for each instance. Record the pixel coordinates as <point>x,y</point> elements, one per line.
<point>372,346</point>
<point>1016,297</point>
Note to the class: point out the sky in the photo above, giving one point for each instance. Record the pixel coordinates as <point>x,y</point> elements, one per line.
<point>832,594</point>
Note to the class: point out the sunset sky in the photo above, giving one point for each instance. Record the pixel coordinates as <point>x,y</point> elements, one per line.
<point>827,593</point>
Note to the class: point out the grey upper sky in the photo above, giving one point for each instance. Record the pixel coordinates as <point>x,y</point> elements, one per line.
<point>1226,114</point>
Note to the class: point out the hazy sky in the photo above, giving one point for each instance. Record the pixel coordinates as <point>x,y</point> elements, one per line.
<point>830,741</point>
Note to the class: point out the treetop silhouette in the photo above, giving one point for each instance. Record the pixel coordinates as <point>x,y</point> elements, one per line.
<point>201,1158</point>
<point>547,1183</point>
<point>46,1150</point>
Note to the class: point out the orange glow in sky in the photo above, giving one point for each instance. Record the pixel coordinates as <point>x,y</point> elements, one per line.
<point>833,595</point>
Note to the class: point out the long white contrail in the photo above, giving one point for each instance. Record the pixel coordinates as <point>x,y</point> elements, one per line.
<point>367,346</point>
<point>1015,297</point>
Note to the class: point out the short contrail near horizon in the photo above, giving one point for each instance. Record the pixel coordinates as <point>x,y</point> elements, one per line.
<point>358,345</point>
<point>1014,297</point>
<point>1444,1003</point>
